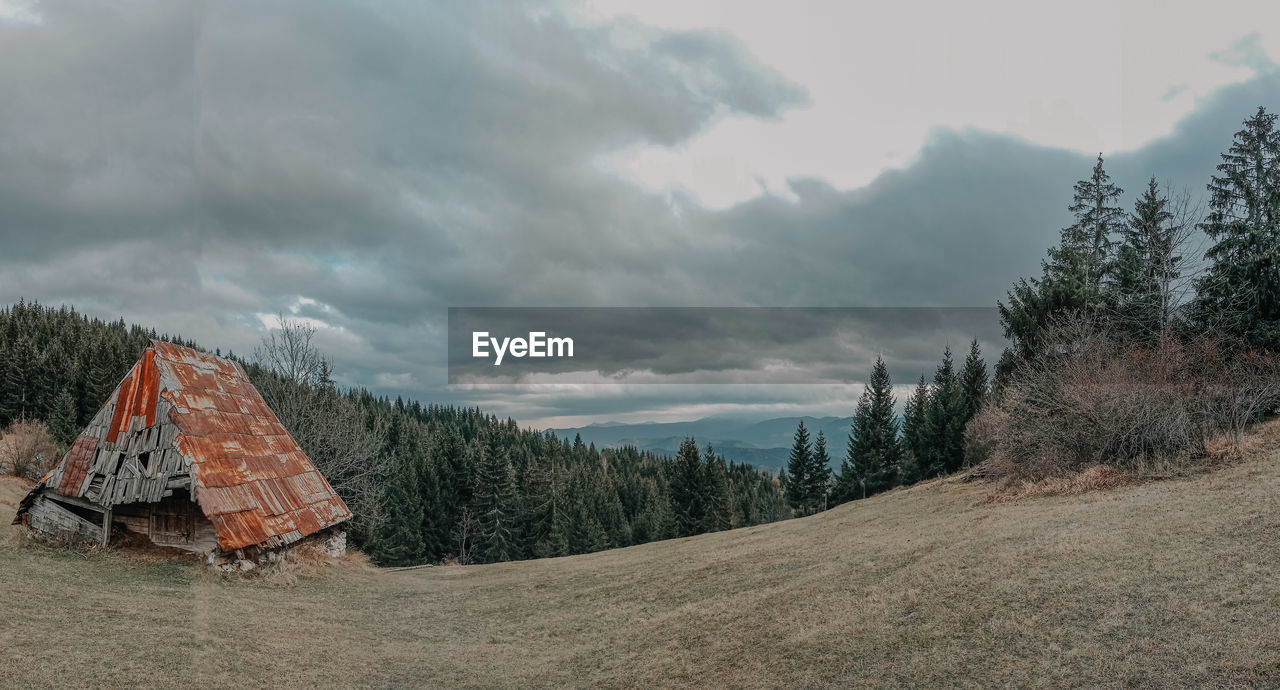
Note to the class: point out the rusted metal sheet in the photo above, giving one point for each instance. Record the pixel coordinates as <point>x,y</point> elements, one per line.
<point>241,456</point>
<point>245,471</point>
<point>75,465</point>
<point>136,397</point>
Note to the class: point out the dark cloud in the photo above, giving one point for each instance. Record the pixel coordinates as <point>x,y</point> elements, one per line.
<point>196,166</point>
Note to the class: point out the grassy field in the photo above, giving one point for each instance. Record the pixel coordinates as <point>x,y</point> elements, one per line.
<point>1174,583</point>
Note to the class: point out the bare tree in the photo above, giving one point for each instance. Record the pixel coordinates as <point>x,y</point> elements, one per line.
<point>467,533</point>
<point>342,440</point>
<point>1175,286</point>
<point>289,353</point>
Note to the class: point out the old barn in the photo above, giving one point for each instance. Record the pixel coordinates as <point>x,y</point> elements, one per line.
<point>185,453</point>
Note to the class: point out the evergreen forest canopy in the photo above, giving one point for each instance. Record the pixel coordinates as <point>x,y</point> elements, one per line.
<point>425,483</point>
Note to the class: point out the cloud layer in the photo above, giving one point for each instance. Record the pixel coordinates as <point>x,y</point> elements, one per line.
<point>200,168</point>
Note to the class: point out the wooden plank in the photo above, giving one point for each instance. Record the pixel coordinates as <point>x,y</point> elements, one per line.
<point>79,502</point>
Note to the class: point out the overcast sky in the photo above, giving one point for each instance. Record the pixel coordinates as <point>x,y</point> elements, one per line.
<point>202,167</point>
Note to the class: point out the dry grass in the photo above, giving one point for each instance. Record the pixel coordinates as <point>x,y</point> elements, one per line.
<point>1096,478</point>
<point>1167,584</point>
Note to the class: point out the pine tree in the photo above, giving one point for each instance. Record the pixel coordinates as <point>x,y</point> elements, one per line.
<point>399,536</point>
<point>62,420</point>
<point>435,516</point>
<point>914,443</point>
<point>495,502</point>
<point>1145,265</point>
<point>872,456</point>
<point>973,382</point>
<point>944,421</point>
<point>1077,275</point>
<point>719,514</point>
<point>1240,291</point>
<point>798,467</point>
<point>819,477</point>
<point>688,489</point>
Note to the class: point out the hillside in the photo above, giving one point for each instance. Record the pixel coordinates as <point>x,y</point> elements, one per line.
<point>1170,583</point>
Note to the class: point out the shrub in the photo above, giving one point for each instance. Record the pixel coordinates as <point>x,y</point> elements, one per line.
<point>1092,399</point>
<point>27,450</point>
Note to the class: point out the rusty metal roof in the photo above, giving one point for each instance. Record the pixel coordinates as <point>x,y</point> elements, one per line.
<point>250,477</point>
<point>247,473</point>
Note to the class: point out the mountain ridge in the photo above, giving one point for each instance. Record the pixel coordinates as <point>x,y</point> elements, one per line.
<point>764,443</point>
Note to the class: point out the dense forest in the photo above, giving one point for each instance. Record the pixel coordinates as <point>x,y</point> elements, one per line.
<point>426,483</point>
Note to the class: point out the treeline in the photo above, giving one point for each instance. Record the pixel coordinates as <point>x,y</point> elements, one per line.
<point>884,451</point>
<point>1136,273</point>
<point>1132,347</point>
<point>425,483</point>
<point>59,366</point>
<point>462,484</point>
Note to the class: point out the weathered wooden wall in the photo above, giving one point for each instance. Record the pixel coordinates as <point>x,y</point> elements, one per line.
<point>53,519</point>
<point>140,465</point>
<point>174,521</point>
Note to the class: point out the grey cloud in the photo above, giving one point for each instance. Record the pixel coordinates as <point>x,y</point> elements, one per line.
<point>1246,52</point>
<point>192,166</point>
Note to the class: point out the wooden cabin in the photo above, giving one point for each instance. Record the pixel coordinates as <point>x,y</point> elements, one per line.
<point>186,454</point>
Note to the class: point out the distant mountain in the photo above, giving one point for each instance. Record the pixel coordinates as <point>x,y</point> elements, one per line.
<point>765,444</point>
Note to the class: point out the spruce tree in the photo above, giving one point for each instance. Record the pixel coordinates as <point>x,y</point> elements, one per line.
<point>62,420</point>
<point>1077,276</point>
<point>1083,258</point>
<point>873,453</point>
<point>1240,291</point>
<point>495,503</point>
<point>18,384</point>
<point>914,442</point>
<point>798,467</point>
<point>944,421</point>
<point>1145,265</point>
<point>538,505</point>
<point>850,479</point>
<point>435,516</point>
<point>688,489</point>
<point>819,473</point>
<point>973,382</point>
<point>399,530</point>
<point>719,514</point>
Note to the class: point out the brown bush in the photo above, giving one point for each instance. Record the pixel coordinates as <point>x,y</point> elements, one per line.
<point>1092,399</point>
<point>27,450</point>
